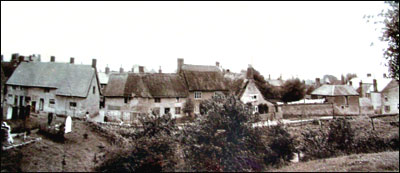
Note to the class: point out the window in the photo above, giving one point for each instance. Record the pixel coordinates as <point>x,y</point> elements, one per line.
<point>94,90</point>
<point>157,100</point>
<point>72,105</point>
<point>387,108</point>
<point>14,88</point>
<point>386,99</point>
<point>346,100</point>
<point>15,100</point>
<point>177,99</point>
<point>46,90</point>
<point>41,104</point>
<point>368,95</point>
<point>125,99</point>
<point>167,110</point>
<point>255,108</point>
<point>253,97</point>
<point>51,103</point>
<point>177,110</point>
<point>197,95</point>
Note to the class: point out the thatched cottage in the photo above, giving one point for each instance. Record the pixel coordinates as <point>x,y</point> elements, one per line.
<point>202,81</point>
<point>129,94</point>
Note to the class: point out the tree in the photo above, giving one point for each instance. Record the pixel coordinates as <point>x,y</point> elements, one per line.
<point>350,76</point>
<point>331,79</point>
<point>267,90</point>
<point>293,90</point>
<point>391,36</point>
<point>224,139</point>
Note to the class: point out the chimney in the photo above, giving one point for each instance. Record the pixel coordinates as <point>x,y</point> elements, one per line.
<point>375,86</point>
<point>250,74</point>
<point>269,76</point>
<point>52,59</point>
<point>159,71</point>
<point>217,64</point>
<point>72,60</point>
<point>384,75</point>
<point>107,69</point>
<point>94,62</point>
<point>14,56</point>
<point>180,64</point>
<point>21,58</point>
<point>361,89</point>
<point>133,69</point>
<point>121,70</point>
<point>318,82</point>
<point>141,69</point>
<point>368,74</point>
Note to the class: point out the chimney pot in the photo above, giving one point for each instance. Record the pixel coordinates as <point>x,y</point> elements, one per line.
<point>107,69</point>
<point>375,85</point>
<point>180,64</point>
<point>94,62</point>
<point>141,69</point>
<point>72,60</point>
<point>250,74</point>
<point>52,59</point>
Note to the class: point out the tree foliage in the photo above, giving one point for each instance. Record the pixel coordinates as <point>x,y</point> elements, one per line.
<point>188,107</point>
<point>223,139</point>
<point>268,91</point>
<point>391,36</point>
<point>293,90</point>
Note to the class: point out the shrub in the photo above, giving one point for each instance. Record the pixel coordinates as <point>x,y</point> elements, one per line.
<point>223,139</point>
<point>151,149</point>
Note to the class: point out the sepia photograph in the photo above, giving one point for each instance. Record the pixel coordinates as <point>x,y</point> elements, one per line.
<point>199,86</point>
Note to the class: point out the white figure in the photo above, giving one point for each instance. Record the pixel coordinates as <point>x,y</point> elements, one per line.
<point>10,140</point>
<point>68,125</point>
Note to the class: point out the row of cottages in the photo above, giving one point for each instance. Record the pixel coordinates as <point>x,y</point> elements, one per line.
<point>380,93</point>
<point>344,98</point>
<point>129,94</point>
<point>250,94</point>
<point>53,87</point>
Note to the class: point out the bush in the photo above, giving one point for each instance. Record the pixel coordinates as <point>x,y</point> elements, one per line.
<point>151,149</point>
<point>223,139</point>
<point>340,139</point>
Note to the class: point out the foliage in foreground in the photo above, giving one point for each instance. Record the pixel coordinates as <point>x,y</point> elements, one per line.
<point>151,149</point>
<point>339,138</point>
<point>223,139</point>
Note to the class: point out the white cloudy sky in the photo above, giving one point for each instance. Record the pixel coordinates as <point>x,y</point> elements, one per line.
<point>304,39</point>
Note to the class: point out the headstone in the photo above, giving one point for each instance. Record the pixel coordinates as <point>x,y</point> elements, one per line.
<point>68,125</point>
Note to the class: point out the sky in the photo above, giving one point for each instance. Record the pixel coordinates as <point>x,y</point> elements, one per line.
<point>292,39</point>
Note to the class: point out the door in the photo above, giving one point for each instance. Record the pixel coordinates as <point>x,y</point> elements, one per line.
<point>21,100</point>
<point>33,106</point>
<point>41,104</point>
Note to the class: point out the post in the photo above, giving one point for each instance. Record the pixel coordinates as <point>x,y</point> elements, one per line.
<point>372,121</point>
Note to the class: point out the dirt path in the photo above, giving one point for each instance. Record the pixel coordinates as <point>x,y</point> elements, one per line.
<point>375,162</point>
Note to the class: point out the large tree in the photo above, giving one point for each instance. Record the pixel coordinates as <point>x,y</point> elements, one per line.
<point>391,36</point>
<point>293,90</point>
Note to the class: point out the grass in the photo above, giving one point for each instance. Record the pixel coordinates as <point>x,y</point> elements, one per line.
<point>374,162</point>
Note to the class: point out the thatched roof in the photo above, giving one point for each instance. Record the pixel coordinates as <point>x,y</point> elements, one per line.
<point>204,81</point>
<point>335,90</point>
<point>68,79</point>
<point>146,85</point>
